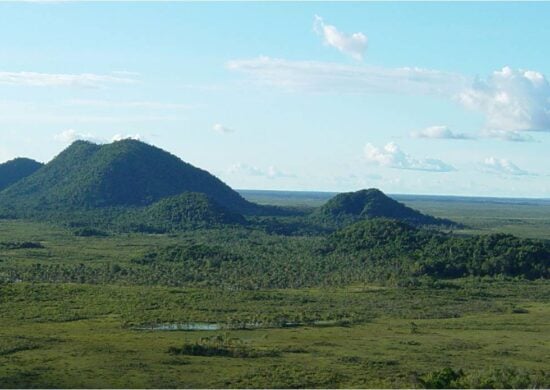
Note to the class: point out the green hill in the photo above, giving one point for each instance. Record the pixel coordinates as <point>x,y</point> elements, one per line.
<point>126,173</point>
<point>14,170</point>
<point>188,210</point>
<point>367,204</point>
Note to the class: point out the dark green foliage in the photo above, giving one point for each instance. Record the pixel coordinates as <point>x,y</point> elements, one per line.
<point>442,379</point>
<point>192,252</point>
<point>395,236</point>
<point>428,252</point>
<point>90,232</point>
<point>14,170</point>
<point>123,173</point>
<point>372,203</point>
<point>188,210</point>
<point>494,378</point>
<point>222,345</point>
<point>21,245</point>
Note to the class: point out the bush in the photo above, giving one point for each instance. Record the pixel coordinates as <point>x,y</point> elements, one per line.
<point>221,346</point>
<point>89,232</point>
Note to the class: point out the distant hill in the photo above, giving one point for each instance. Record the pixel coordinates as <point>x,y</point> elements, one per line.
<point>14,170</point>
<point>371,203</point>
<point>125,173</point>
<point>188,210</point>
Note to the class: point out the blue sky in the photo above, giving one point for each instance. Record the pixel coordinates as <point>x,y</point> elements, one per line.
<point>425,98</point>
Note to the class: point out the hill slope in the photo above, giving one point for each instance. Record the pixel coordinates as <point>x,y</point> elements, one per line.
<point>187,210</point>
<point>372,203</point>
<point>14,170</point>
<point>123,173</point>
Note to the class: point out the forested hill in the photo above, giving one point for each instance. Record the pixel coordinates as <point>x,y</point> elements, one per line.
<point>120,174</point>
<point>14,170</point>
<point>188,210</point>
<point>371,203</point>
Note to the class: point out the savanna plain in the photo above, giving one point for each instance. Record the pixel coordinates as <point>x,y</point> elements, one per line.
<point>247,307</point>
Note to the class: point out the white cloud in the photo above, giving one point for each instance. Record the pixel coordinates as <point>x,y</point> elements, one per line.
<point>249,170</point>
<point>512,100</point>
<point>120,137</point>
<point>326,77</point>
<point>71,135</point>
<point>355,44</point>
<point>439,132</point>
<point>128,104</point>
<point>502,166</point>
<point>392,156</point>
<point>219,128</point>
<point>512,136</point>
<point>35,79</point>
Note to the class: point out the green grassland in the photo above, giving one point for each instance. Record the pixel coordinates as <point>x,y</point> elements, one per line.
<point>85,336</point>
<point>83,313</point>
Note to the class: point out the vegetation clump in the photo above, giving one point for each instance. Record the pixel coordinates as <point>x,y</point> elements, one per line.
<point>21,245</point>
<point>224,346</point>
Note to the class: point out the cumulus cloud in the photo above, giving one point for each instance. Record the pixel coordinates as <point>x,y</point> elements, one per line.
<point>36,79</point>
<point>354,45</point>
<point>120,137</point>
<point>439,132</point>
<point>512,101</point>
<point>271,172</point>
<point>219,128</point>
<point>392,156</point>
<point>502,166</point>
<point>71,135</point>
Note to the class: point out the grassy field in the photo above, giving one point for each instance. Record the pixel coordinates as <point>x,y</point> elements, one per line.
<point>472,332</point>
<point>86,336</point>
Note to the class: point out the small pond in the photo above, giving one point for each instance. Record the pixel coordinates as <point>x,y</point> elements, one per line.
<point>208,326</point>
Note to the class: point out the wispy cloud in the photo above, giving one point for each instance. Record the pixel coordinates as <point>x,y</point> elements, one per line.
<point>219,128</point>
<point>511,136</point>
<point>354,45</point>
<point>512,101</point>
<point>439,132</point>
<point>327,77</point>
<point>129,104</point>
<point>502,166</point>
<point>249,170</point>
<point>87,80</point>
<point>392,156</point>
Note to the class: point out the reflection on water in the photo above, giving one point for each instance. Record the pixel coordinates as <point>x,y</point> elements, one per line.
<point>182,326</point>
<point>218,326</point>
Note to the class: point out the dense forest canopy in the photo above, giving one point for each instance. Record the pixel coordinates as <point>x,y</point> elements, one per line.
<point>14,170</point>
<point>123,173</point>
<point>371,203</point>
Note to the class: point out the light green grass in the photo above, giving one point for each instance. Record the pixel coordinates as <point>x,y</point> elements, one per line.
<point>97,348</point>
